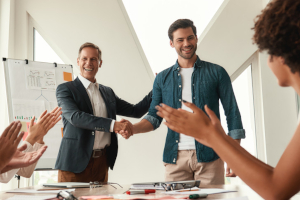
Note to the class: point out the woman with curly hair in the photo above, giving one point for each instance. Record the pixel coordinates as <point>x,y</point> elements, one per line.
<point>277,30</point>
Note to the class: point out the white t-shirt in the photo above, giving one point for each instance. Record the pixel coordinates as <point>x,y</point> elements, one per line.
<point>186,142</point>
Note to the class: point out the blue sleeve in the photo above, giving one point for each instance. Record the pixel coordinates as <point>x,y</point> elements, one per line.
<point>152,117</point>
<point>233,116</point>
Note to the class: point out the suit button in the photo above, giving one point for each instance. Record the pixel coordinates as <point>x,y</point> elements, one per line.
<point>93,133</point>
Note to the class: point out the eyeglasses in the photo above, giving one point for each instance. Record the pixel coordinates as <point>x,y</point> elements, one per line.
<point>66,195</point>
<point>100,184</point>
<point>170,186</point>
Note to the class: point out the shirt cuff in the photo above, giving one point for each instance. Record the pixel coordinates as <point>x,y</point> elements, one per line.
<point>237,134</point>
<point>112,125</point>
<point>29,147</point>
<point>155,122</point>
<point>37,146</point>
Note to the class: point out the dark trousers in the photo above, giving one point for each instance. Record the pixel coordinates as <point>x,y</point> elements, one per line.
<point>96,170</point>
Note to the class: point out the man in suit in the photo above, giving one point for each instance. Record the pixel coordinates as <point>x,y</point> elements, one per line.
<point>89,145</point>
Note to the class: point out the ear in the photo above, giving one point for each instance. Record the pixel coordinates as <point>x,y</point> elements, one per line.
<point>100,64</point>
<point>78,61</point>
<point>196,38</point>
<point>171,44</point>
<point>282,60</point>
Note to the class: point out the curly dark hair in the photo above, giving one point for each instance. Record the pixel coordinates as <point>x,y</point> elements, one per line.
<point>277,30</point>
<point>181,23</point>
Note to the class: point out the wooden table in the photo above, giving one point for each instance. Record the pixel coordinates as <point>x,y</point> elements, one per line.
<point>242,190</point>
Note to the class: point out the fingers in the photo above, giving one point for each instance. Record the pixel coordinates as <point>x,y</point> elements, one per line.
<point>37,155</point>
<point>45,118</point>
<point>15,131</point>
<point>19,138</point>
<point>42,115</point>
<point>170,114</point>
<point>192,106</point>
<point>214,119</point>
<point>32,121</point>
<point>168,109</point>
<point>123,120</point>
<point>5,132</point>
<point>23,147</point>
<point>173,127</point>
<point>57,112</point>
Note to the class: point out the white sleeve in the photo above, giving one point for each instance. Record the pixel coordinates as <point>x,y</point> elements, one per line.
<point>27,171</point>
<point>7,176</point>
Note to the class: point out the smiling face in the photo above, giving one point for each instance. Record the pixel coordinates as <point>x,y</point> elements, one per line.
<point>185,42</point>
<point>89,63</point>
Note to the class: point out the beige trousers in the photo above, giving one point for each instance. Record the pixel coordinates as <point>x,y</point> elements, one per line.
<point>188,168</point>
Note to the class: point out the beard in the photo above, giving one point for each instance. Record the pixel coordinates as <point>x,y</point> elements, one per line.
<point>187,56</point>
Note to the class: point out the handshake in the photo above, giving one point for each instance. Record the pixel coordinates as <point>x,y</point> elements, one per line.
<point>124,128</point>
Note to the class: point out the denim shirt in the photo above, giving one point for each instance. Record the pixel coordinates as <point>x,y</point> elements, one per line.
<point>210,82</point>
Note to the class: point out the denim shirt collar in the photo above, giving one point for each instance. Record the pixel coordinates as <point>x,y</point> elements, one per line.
<point>196,64</point>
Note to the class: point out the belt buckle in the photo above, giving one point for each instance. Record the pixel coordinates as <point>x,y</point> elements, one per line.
<point>94,152</point>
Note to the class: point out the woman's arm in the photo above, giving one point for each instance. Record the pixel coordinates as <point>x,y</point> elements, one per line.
<point>282,182</point>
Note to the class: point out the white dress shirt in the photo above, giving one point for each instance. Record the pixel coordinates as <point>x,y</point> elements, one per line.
<point>25,171</point>
<point>102,139</point>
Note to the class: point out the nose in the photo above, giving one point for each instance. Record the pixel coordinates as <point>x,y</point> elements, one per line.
<point>88,62</point>
<point>186,43</point>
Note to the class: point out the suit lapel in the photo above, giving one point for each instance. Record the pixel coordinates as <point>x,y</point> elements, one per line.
<point>84,94</point>
<point>105,96</point>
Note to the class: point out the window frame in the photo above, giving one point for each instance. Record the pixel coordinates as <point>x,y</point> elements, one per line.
<point>257,103</point>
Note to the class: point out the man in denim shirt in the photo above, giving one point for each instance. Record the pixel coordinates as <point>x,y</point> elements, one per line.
<point>200,82</point>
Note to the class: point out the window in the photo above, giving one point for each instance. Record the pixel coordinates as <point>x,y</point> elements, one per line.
<point>242,87</point>
<point>42,52</point>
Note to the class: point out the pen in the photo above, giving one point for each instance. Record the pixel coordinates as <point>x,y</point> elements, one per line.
<point>198,196</point>
<point>140,192</point>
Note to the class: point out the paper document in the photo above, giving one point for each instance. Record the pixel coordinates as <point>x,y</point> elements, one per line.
<point>39,191</point>
<point>40,79</point>
<point>31,197</point>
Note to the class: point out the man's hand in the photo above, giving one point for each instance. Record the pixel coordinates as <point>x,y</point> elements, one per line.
<point>9,141</point>
<point>21,159</point>
<point>124,127</point>
<point>229,173</point>
<point>45,122</point>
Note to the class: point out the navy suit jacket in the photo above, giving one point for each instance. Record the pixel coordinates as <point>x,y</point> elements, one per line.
<point>80,124</point>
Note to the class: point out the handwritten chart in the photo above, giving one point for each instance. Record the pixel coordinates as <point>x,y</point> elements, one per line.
<point>40,79</point>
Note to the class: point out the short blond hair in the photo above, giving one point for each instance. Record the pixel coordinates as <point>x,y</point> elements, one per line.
<point>89,44</point>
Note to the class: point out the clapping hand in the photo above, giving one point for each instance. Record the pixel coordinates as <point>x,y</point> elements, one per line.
<point>124,128</point>
<point>9,141</point>
<point>21,159</point>
<point>196,124</point>
<point>45,122</point>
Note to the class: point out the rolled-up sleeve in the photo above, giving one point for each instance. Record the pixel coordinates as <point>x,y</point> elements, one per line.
<point>233,116</point>
<point>237,134</point>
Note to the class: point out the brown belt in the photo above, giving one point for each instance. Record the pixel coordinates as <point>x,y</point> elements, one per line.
<point>97,153</point>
